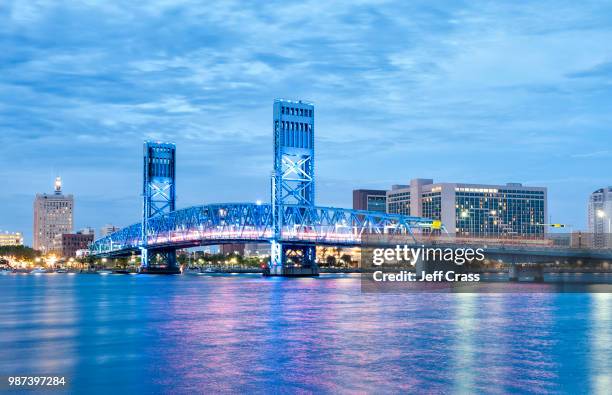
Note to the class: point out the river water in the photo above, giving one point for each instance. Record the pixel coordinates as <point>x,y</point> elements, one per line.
<point>245,333</point>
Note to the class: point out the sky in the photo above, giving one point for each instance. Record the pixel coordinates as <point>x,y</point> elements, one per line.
<point>458,91</point>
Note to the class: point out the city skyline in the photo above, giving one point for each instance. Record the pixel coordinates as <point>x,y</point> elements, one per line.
<point>468,93</point>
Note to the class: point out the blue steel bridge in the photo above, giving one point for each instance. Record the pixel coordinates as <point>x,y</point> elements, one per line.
<point>292,223</point>
<point>221,223</point>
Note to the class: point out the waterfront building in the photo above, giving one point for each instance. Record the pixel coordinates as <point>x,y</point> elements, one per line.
<point>474,209</point>
<point>108,229</point>
<point>370,199</point>
<point>600,216</point>
<point>11,239</point>
<point>232,248</point>
<point>67,244</point>
<point>257,250</point>
<point>53,215</point>
<point>83,253</point>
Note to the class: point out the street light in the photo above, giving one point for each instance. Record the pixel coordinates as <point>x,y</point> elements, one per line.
<point>602,214</point>
<point>465,213</point>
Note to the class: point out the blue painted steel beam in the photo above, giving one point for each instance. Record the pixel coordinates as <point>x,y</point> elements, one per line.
<point>252,222</point>
<point>159,195</point>
<point>293,178</point>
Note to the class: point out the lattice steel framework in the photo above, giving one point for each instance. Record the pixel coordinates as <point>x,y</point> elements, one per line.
<point>293,180</point>
<point>159,195</point>
<point>251,222</point>
<point>291,222</point>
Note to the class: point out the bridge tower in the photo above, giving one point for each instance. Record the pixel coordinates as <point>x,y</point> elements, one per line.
<point>293,183</point>
<point>159,197</point>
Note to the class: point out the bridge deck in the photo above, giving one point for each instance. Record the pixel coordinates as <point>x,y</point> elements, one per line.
<point>251,222</point>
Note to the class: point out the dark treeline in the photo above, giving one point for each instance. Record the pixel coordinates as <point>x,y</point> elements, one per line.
<point>19,252</point>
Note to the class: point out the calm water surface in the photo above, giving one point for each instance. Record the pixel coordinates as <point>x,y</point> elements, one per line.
<point>194,334</point>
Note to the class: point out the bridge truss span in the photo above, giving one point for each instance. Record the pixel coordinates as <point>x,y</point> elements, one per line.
<point>251,222</point>
<point>291,222</point>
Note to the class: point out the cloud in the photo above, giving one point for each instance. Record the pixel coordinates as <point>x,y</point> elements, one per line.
<point>602,70</point>
<point>481,90</point>
<point>594,154</point>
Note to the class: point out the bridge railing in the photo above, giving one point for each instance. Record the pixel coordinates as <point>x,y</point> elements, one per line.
<point>127,238</point>
<point>337,225</point>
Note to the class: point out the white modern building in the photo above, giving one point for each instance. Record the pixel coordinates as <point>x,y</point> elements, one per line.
<point>600,216</point>
<point>53,215</point>
<point>474,209</point>
<point>11,239</point>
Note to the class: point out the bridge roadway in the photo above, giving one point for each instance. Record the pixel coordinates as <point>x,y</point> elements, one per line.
<point>251,222</point>
<point>527,251</point>
<point>550,249</point>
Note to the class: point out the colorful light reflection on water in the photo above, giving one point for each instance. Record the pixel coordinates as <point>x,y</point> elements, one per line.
<point>251,334</point>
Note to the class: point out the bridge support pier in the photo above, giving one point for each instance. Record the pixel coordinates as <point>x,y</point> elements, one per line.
<point>158,262</point>
<point>292,260</point>
<point>535,271</point>
<point>538,275</point>
<point>513,273</point>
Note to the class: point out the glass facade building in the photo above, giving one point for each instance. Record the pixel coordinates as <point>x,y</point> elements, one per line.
<point>510,210</point>
<point>432,205</point>
<point>399,203</point>
<point>474,209</point>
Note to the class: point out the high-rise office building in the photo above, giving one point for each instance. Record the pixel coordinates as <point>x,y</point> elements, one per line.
<point>370,199</point>
<point>11,239</point>
<point>398,202</point>
<point>53,215</point>
<point>474,209</point>
<point>600,217</point>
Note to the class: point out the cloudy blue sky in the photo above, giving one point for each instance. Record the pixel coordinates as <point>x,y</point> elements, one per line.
<point>473,91</point>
